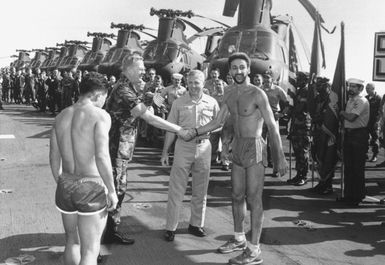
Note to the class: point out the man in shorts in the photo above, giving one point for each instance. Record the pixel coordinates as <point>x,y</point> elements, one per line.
<point>81,166</point>
<point>249,108</point>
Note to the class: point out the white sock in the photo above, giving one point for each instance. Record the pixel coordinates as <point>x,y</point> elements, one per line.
<point>240,236</point>
<point>253,248</point>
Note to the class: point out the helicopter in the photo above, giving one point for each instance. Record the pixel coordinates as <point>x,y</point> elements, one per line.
<point>269,41</point>
<point>100,46</point>
<point>127,42</point>
<point>170,52</point>
<point>53,52</point>
<point>23,60</point>
<point>76,52</point>
<point>40,57</point>
<point>54,64</point>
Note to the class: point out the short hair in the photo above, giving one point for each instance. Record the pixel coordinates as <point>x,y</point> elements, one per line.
<point>241,56</point>
<point>93,82</point>
<point>372,85</point>
<point>131,58</point>
<point>197,73</point>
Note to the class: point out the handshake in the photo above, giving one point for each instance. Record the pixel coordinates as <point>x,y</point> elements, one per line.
<point>187,134</point>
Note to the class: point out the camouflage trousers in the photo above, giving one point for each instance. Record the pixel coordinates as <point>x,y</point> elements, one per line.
<point>122,145</point>
<point>301,148</point>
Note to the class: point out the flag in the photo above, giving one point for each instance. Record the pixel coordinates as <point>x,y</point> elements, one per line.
<point>328,142</point>
<point>337,96</point>
<point>317,52</point>
<point>293,59</point>
<point>158,99</point>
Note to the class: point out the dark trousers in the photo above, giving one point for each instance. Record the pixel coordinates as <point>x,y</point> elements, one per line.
<point>54,101</point>
<point>374,142</point>
<point>355,148</point>
<point>301,148</point>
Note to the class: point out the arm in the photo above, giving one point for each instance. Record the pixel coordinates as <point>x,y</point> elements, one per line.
<point>355,112</point>
<point>102,157</point>
<point>55,160</point>
<point>217,122</point>
<point>278,157</point>
<point>349,116</point>
<point>284,100</point>
<point>166,147</point>
<point>140,110</point>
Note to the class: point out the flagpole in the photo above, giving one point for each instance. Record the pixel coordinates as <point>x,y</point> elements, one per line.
<point>341,123</point>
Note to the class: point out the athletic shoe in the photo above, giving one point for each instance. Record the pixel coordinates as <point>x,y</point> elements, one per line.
<point>247,257</point>
<point>232,245</point>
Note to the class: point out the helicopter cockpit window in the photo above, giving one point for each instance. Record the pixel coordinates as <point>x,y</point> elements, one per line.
<point>229,44</point>
<point>151,51</point>
<point>171,52</point>
<point>247,43</point>
<point>117,55</point>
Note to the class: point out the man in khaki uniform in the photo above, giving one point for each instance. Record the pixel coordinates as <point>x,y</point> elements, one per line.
<point>192,110</point>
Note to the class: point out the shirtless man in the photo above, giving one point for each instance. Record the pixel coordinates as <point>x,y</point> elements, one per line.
<point>81,166</point>
<point>248,107</point>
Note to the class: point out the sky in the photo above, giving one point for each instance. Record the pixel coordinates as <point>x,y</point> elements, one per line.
<point>27,24</point>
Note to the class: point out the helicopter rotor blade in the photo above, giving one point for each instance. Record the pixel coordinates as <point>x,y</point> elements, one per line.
<point>230,8</point>
<point>205,33</point>
<point>303,42</point>
<point>311,9</point>
<point>313,12</point>
<point>195,27</point>
<point>150,29</point>
<point>149,34</point>
<point>217,21</point>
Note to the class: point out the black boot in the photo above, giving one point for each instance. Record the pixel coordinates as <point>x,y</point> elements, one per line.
<point>295,179</point>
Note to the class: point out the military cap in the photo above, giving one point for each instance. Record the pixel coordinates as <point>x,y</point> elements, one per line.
<point>356,81</point>
<point>267,73</point>
<point>177,76</point>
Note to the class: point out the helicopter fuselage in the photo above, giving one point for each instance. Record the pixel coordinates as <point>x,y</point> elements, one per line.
<point>171,56</point>
<point>267,51</point>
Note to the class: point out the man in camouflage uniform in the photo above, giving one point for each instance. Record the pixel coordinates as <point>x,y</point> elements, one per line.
<point>323,153</point>
<point>300,130</point>
<point>125,107</point>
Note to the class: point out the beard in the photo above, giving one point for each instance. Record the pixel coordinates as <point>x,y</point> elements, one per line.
<point>243,78</point>
<point>351,93</point>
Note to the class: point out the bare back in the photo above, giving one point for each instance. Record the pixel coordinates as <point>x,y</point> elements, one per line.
<point>243,106</point>
<point>75,133</point>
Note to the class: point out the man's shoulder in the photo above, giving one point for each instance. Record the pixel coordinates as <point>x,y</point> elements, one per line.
<point>209,99</point>
<point>182,99</point>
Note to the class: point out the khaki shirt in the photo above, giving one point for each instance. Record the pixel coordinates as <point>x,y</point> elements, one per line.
<point>189,113</point>
<point>171,93</point>
<point>358,105</point>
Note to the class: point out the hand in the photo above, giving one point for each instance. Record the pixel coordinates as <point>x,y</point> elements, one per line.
<point>187,135</point>
<point>278,115</point>
<point>164,159</point>
<point>291,93</point>
<point>282,167</point>
<point>112,201</point>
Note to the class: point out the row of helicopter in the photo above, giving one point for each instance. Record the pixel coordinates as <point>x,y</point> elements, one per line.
<point>267,39</point>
